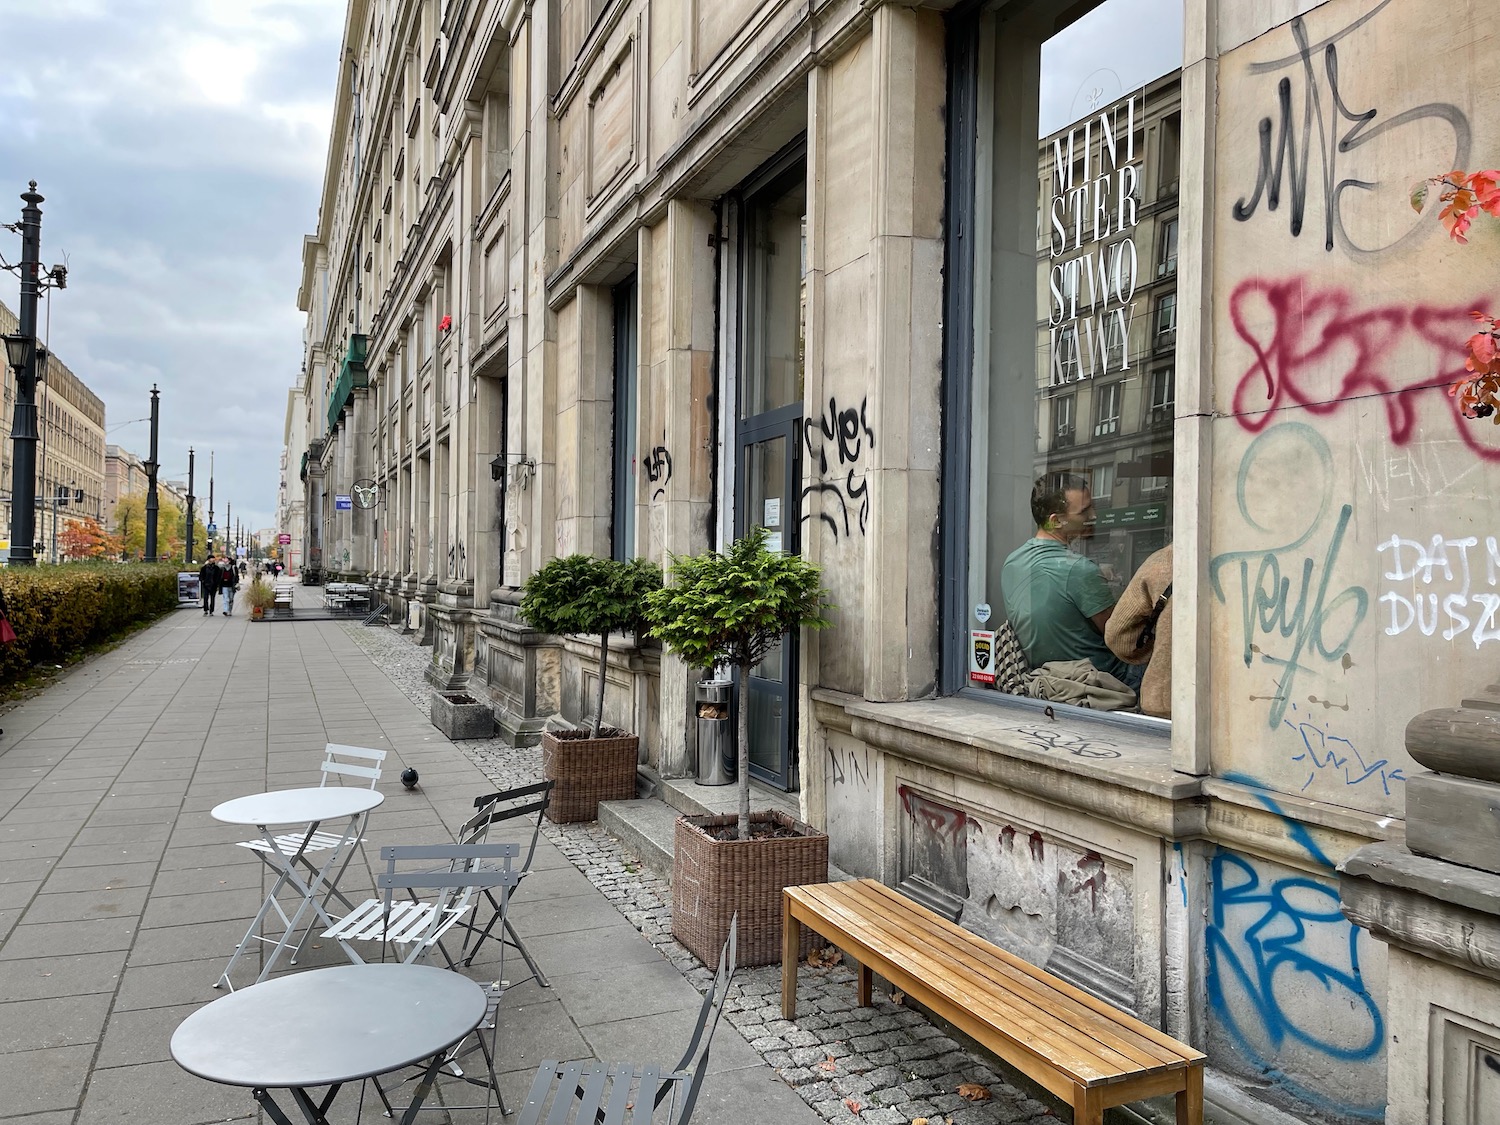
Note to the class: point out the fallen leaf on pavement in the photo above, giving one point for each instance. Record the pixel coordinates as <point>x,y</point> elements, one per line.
<point>830,1064</point>
<point>823,958</point>
<point>897,996</point>
<point>852,1105</point>
<point>973,1091</point>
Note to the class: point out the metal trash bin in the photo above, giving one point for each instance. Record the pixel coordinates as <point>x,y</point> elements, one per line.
<point>716,763</point>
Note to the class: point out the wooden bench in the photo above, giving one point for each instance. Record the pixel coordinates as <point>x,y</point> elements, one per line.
<point>1078,1047</point>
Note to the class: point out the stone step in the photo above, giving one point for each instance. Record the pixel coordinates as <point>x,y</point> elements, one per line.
<point>646,824</point>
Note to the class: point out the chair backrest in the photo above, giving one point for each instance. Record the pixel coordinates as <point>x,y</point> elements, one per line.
<point>352,761</point>
<point>469,867</point>
<point>695,1058</point>
<point>511,804</point>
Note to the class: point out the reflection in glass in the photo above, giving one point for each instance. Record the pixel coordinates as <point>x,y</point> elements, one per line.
<point>775,298</point>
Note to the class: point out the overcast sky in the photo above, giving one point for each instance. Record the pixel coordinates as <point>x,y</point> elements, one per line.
<point>180,146</point>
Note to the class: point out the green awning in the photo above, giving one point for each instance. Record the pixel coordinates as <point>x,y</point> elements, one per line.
<point>352,376</point>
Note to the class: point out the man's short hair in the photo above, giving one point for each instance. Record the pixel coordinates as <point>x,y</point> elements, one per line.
<point>1049,495</point>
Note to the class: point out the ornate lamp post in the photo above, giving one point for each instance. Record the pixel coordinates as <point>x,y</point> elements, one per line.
<point>20,352</point>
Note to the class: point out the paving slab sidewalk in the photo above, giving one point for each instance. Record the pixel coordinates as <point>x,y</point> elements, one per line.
<point>121,898</point>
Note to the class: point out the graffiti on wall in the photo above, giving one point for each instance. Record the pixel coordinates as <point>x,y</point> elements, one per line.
<point>458,561</point>
<point>1285,977</point>
<point>1328,135</point>
<point>836,441</point>
<point>1326,754</point>
<point>1294,619</point>
<point>1314,347</point>
<point>1454,608</point>
<point>850,766</point>
<point>658,466</point>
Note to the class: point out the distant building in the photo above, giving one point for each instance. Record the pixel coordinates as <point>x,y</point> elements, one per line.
<point>70,456</point>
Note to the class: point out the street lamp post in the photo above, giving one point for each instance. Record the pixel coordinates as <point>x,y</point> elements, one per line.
<point>21,354</point>
<point>152,466</point>
<point>190,508</point>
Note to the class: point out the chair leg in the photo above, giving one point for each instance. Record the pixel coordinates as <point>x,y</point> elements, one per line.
<point>536,970</point>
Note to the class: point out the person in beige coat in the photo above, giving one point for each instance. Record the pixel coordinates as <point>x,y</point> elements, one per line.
<point>1139,631</point>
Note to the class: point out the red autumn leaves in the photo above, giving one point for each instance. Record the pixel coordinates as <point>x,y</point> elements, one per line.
<point>1463,196</point>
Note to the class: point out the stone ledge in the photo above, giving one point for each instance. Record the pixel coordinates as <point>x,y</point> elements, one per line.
<point>1432,908</point>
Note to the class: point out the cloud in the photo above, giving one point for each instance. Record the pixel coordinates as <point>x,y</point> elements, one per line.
<point>181,148</point>
<point>1118,47</point>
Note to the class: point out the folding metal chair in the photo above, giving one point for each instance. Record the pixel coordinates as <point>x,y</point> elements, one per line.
<point>616,1093</point>
<point>338,762</point>
<point>420,924</point>
<point>496,808</point>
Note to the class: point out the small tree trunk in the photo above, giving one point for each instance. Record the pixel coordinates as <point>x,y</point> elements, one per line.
<point>603,662</point>
<point>742,737</point>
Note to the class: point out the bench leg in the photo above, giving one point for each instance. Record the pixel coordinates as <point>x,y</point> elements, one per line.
<point>1088,1106</point>
<point>865,985</point>
<point>791,953</point>
<point>1190,1098</point>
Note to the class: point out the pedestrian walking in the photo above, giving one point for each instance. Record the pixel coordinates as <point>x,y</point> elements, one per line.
<point>208,584</point>
<point>229,581</point>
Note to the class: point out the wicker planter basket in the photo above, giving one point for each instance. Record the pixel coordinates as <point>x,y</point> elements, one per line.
<point>587,771</point>
<point>712,880</point>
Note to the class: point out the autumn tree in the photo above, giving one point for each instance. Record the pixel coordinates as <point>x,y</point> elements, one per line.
<point>83,539</point>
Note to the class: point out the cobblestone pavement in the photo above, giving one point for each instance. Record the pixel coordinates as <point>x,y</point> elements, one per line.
<point>881,1065</point>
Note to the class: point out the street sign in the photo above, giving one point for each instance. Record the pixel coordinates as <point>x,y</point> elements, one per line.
<point>283,539</point>
<point>342,502</point>
<point>213,529</point>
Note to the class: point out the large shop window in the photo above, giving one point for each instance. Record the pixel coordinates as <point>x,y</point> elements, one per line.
<point>1061,357</point>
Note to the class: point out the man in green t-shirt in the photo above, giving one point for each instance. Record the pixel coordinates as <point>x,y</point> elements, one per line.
<point>1057,601</point>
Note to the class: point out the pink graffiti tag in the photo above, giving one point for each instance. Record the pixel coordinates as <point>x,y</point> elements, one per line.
<point>940,820</point>
<point>1306,338</point>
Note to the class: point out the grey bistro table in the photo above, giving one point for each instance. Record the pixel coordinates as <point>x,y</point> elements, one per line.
<point>309,807</point>
<point>330,1027</point>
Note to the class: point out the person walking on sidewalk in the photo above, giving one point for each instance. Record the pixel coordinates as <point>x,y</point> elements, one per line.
<point>208,582</point>
<point>229,581</point>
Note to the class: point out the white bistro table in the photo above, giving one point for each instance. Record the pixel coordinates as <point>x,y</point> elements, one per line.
<point>310,808</point>
<point>329,1027</point>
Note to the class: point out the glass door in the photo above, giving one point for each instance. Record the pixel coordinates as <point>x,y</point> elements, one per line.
<point>768,473</point>
<point>772,323</point>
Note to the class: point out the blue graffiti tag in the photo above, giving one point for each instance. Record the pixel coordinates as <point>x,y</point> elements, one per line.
<point>1271,961</point>
<point>1268,604</point>
<point>1257,940</point>
<point>1324,751</point>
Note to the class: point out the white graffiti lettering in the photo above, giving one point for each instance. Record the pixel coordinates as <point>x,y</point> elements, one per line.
<point>1456,610</point>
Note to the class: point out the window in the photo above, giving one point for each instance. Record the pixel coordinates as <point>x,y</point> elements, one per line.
<point>1165,337</point>
<point>1166,260</point>
<point>1107,409</point>
<point>1163,394</point>
<point>1062,421</point>
<point>627,458</point>
<point>1069,475</point>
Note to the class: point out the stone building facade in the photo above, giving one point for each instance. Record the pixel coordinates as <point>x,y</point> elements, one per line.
<point>70,456</point>
<point>632,276</point>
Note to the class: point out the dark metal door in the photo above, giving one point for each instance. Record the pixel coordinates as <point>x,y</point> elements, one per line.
<point>767,474</point>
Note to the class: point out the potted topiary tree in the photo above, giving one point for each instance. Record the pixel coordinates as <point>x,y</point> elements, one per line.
<point>581,595</point>
<point>734,608</point>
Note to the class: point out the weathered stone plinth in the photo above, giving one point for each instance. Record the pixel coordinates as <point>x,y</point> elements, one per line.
<point>461,716</point>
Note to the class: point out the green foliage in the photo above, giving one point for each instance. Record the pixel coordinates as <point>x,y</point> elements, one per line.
<point>583,595</point>
<point>260,594</point>
<point>733,608</point>
<point>58,611</point>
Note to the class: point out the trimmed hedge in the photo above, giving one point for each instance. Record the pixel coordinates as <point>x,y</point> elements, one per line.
<point>58,610</point>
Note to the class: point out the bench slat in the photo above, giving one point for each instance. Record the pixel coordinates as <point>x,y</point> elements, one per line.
<point>1009,1015</point>
<point>1117,1030</point>
<point>1098,1042</point>
<point>1172,1047</point>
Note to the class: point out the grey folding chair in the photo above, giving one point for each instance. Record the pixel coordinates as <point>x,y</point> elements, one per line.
<point>617,1093</point>
<point>525,803</point>
<point>358,762</point>
<point>419,924</point>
